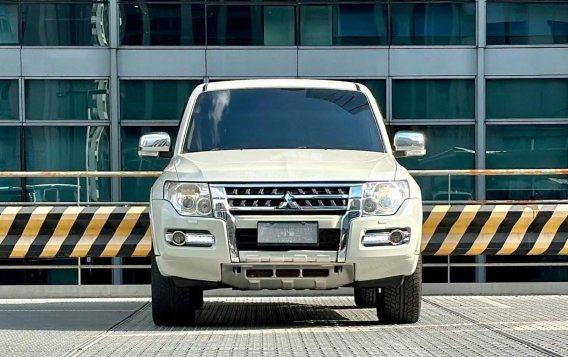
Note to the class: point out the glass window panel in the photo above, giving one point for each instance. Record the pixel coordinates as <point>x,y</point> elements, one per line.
<point>67,149</point>
<point>433,99</point>
<point>433,24</point>
<point>527,98</point>
<point>137,189</point>
<point>8,24</point>
<point>527,147</point>
<point>154,99</point>
<point>244,25</point>
<point>527,23</point>
<point>279,25</point>
<point>447,147</point>
<point>54,99</point>
<point>82,23</point>
<point>9,105</point>
<point>343,25</point>
<point>10,189</point>
<point>379,89</point>
<point>174,24</point>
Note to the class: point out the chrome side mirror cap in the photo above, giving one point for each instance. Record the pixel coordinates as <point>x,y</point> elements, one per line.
<point>409,144</point>
<point>156,144</point>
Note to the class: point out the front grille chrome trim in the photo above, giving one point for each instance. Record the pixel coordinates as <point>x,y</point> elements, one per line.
<point>304,196</point>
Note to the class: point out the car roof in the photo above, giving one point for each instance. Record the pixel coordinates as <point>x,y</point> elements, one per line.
<point>281,83</point>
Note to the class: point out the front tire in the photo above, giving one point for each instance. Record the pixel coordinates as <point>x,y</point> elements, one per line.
<point>172,305</point>
<point>401,305</point>
<point>365,297</point>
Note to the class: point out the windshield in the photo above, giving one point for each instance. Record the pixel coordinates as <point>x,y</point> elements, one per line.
<point>277,118</point>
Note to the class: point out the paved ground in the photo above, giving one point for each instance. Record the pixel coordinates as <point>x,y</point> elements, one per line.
<point>287,326</point>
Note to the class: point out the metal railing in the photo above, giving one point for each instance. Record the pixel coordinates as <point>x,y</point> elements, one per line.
<point>77,175</point>
<point>149,174</point>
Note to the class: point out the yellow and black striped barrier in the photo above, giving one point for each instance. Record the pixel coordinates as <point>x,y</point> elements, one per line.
<point>124,231</point>
<point>499,229</point>
<point>64,231</point>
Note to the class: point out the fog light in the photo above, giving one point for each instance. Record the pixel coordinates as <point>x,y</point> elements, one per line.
<point>178,238</point>
<point>373,239</point>
<point>395,237</point>
<point>199,240</point>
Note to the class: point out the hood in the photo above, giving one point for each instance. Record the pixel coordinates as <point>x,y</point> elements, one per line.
<point>294,165</point>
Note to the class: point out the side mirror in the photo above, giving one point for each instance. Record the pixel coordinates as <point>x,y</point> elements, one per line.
<point>409,143</point>
<point>155,145</point>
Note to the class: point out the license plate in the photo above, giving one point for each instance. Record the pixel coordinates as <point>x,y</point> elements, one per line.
<point>285,233</point>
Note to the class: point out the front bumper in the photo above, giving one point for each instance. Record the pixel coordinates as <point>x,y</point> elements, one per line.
<point>217,264</point>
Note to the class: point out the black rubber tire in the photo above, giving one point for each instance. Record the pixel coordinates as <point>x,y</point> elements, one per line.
<point>365,297</point>
<point>171,305</point>
<point>197,299</point>
<point>401,305</point>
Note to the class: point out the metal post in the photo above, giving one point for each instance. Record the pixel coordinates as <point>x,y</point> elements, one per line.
<point>480,149</point>
<point>78,190</point>
<point>78,271</point>
<point>114,119</point>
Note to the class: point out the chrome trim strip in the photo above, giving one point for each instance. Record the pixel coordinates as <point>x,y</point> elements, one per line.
<point>276,209</point>
<point>299,197</point>
<point>354,211</point>
<point>290,184</point>
<point>220,211</point>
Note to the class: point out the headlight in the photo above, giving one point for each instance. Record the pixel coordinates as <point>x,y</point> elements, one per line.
<point>384,198</point>
<point>189,199</point>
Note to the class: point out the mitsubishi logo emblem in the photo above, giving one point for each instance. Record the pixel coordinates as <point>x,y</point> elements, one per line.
<point>288,202</point>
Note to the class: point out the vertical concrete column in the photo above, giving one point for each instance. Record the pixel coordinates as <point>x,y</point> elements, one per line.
<point>114,117</point>
<point>480,118</point>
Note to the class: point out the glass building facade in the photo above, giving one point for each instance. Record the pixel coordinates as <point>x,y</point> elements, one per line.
<point>486,81</point>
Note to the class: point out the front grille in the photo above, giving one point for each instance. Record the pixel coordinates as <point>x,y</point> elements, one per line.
<point>247,239</point>
<point>288,199</point>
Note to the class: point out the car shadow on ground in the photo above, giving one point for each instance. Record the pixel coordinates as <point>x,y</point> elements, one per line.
<point>255,315</point>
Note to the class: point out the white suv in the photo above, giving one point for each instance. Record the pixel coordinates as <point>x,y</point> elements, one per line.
<point>284,184</point>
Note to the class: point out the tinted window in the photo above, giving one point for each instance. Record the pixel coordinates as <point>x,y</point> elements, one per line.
<point>522,147</point>
<point>9,99</point>
<point>527,24</point>
<point>447,147</point>
<point>65,24</point>
<point>244,25</point>
<point>433,24</point>
<point>527,98</point>
<point>433,99</point>
<point>8,24</point>
<point>283,118</point>
<point>343,25</point>
<point>162,24</point>
<point>58,99</point>
<point>154,99</point>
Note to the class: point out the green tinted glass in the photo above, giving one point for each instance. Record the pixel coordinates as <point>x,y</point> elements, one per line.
<point>48,99</point>
<point>379,89</point>
<point>433,99</point>
<point>154,99</point>
<point>447,147</point>
<point>80,23</point>
<point>9,106</point>
<point>67,149</point>
<point>10,189</point>
<point>8,24</point>
<point>527,23</point>
<point>343,25</point>
<point>250,25</point>
<point>527,147</point>
<point>527,98</point>
<point>433,24</point>
<point>137,189</point>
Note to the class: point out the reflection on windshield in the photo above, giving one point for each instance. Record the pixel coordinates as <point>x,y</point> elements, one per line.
<point>276,118</point>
